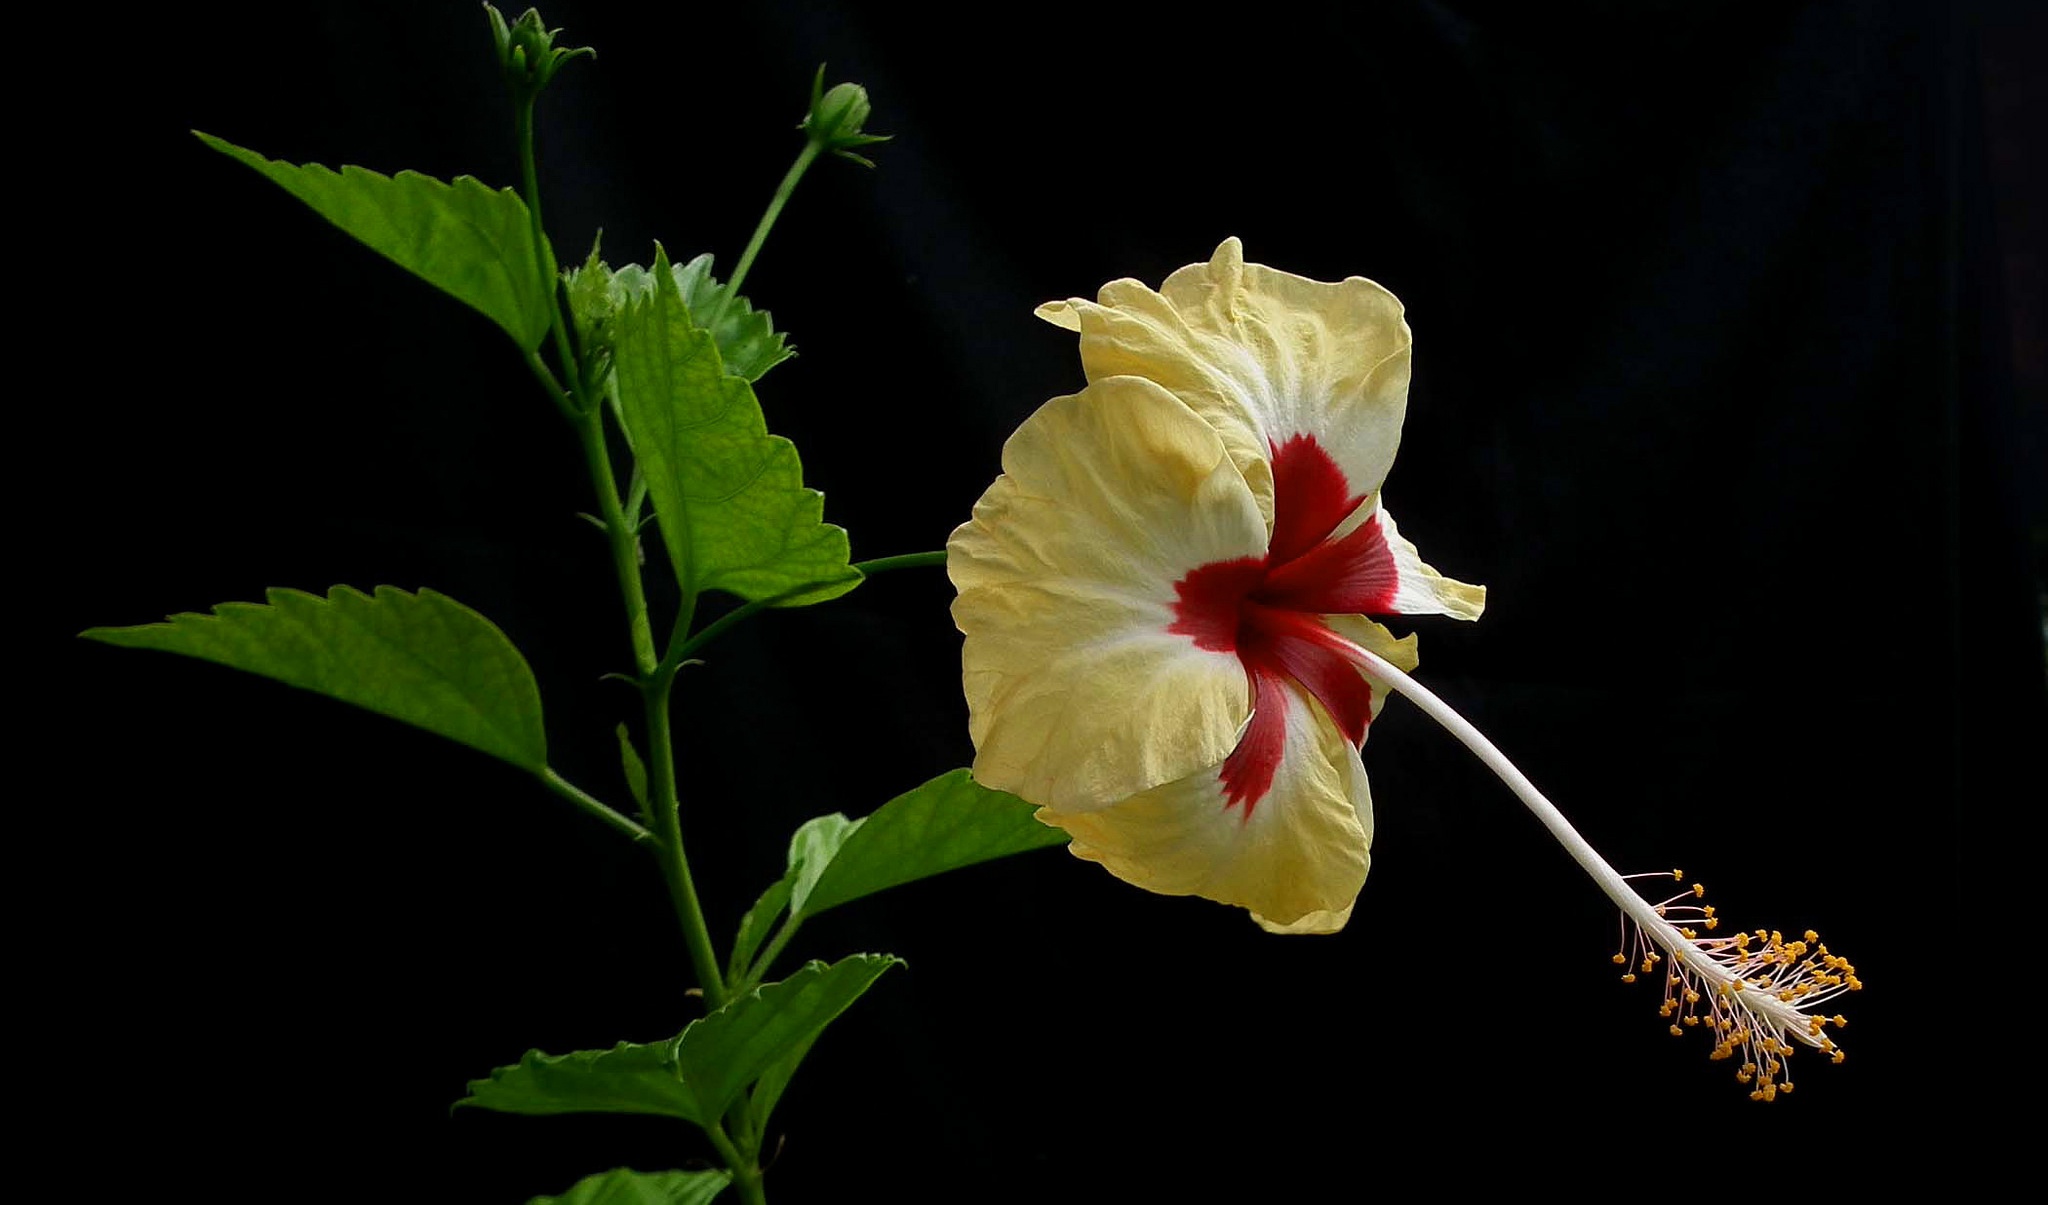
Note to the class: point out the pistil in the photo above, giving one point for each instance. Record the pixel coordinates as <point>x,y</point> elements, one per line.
<point>1756,992</point>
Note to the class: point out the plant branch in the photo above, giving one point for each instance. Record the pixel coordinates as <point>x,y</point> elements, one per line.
<point>746,1177</point>
<point>804,159</point>
<point>591,804</point>
<point>675,863</point>
<point>529,180</point>
<point>766,959</point>
<point>653,679</point>
<point>681,652</point>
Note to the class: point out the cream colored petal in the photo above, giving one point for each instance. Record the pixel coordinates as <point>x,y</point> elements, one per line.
<point>1422,590</point>
<point>1314,922</point>
<point>1078,696</point>
<point>1264,356</point>
<point>1400,651</point>
<point>1303,850</point>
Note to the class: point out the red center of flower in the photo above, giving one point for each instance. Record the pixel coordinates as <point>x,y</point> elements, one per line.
<point>1267,610</point>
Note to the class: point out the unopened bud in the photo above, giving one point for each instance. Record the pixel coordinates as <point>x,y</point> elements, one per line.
<point>527,52</point>
<point>836,117</point>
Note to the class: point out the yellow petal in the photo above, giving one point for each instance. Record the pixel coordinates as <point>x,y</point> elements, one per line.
<point>1422,590</point>
<point>1314,922</point>
<point>1302,850</point>
<point>1263,356</point>
<point>1078,696</point>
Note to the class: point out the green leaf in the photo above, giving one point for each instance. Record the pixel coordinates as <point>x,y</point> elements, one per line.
<point>723,1053</point>
<point>758,922</point>
<point>636,770</point>
<point>465,238</point>
<point>623,1186</point>
<point>768,1089</point>
<point>422,658</point>
<point>747,340</point>
<point>949,822</point>
<point>628,1078</point>
<point>812,848</point>
<point>730,497</point>
<point>697,1076</point>
<point>748,343</point>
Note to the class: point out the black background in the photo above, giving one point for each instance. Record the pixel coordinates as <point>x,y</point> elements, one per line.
<point>1714,390</point>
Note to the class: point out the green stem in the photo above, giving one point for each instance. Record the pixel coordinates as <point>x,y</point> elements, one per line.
<point>907,560</point>
<point>591,804</point>
<point>618,531</point>
<point>636,497</point>
<point>679,653</point>
<point>767,957</point>
<point>655,680</point>
<point>547,380</point>
<point>675,864</point>
<point>746,1177</point>
<point>529,181</point>
<point>804,159</point>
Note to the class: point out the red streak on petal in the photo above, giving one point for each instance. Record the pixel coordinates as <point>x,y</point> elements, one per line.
<point>1310,497</point>
<point>1351,576</point>
<point>1267,611</point>
<point>1301,647</point>
<point>1210,599</point>
<point>1247,773</point>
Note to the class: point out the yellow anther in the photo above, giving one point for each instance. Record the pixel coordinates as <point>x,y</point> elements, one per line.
<point>1629,978</point>
<point>1699,891</point>
<point>1692,1020</point>
<point>1840,1020</point>
<point>1620,959</point>
<point>1676,1032</point>
<point>1810,936</point>
<point>1688,934</point>
<point>1713,922</point>
<point>1679,875</point>
<point>1838,1056</point>
<point>1691,996</point>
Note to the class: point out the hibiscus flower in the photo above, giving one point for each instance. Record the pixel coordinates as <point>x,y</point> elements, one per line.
<point>1164,592</point>
<point>1165,601</point>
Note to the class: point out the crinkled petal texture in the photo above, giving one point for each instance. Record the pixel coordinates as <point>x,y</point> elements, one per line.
<point>1158,593</point>
<point>1296,859</point>
<point>1078,696</point>
<point>1265,356</point>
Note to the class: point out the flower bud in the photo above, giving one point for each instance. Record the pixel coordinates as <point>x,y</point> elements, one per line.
<point>836,117</point>
<point>527,52</point>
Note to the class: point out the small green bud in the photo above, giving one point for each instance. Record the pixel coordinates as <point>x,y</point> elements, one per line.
<point>836,117</point>
<point>527,52</point>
